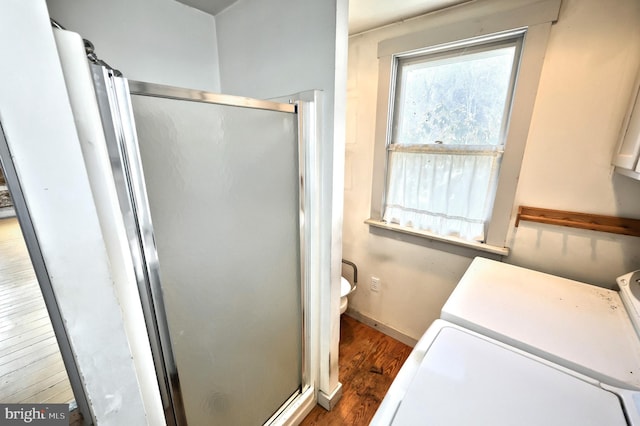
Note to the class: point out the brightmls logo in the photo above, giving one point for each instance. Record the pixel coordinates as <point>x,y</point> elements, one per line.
<point>34,414</point>
<point>28,415</point>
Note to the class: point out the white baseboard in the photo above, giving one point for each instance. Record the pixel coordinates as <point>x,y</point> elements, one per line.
<point>389,331</point>
<point>329,401</point>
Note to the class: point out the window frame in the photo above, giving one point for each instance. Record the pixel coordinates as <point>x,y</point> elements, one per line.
<point>472,24</point>
<point>459,50</point>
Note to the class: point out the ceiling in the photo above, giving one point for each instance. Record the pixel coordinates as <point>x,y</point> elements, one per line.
<point>212,7</point>
<point>363,14</point>
<point>367,14</point>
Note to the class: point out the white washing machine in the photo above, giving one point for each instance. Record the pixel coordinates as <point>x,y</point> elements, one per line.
<point>455,376</point>
<point>586,328</point>
<point>526,348</point>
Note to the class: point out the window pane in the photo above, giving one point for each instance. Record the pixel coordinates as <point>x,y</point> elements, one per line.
<point>456,99</point>
<point>449,122</point>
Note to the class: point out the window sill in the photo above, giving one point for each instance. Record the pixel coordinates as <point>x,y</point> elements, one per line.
<point>500,251</point>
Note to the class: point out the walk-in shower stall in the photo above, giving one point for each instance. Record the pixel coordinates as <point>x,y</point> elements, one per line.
<point>214,191</point>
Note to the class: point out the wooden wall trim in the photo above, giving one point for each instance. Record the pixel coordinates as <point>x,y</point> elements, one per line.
<point>594,222</point>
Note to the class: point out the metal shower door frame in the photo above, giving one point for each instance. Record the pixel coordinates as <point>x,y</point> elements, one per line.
<point>114,101</point>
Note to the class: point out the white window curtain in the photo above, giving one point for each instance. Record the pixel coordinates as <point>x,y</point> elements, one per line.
<point>447,193</point>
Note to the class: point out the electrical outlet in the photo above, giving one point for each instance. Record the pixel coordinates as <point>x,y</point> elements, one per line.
<point>375,284</point>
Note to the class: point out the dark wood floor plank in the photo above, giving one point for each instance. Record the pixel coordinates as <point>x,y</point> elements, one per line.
<point>369,361</point>
<point>75,418</point>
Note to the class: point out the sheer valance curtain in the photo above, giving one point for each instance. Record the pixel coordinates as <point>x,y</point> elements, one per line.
<point>445,193</point>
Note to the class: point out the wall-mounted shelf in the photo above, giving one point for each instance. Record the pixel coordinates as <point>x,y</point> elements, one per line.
<point>594,222</point>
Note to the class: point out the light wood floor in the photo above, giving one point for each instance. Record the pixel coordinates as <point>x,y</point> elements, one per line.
<point>369,361</point>
<point>31,368</point>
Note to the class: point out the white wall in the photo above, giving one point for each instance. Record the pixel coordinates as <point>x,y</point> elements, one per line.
<point>159,41</point>
<point>276,48</point>
<point>592,59</point>
<point>40,131</point>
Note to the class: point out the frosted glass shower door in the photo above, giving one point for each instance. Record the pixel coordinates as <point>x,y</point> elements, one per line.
<point>223,190</point>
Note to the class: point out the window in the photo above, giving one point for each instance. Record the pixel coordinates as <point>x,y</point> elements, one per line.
<point>454,107</point>
<point>448,132</point>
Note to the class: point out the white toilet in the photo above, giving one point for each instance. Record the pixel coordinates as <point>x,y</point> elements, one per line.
<point>346,288</point>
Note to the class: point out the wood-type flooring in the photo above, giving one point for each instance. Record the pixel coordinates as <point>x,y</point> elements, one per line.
<point>369,361</point>
<point>31,368</point>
